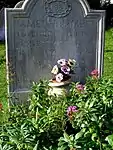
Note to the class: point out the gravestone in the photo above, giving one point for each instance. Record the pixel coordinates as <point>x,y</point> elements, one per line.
<point>2,25</point>
<point>42,31</point>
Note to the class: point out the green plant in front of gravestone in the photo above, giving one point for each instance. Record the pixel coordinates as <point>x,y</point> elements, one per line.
<point>39,125</point>
<point>109,139</point>
<point>68,141</point>
<point>42,124</point>
<point>18,133</point>
<point>49,112</point>
<point>91,115</point>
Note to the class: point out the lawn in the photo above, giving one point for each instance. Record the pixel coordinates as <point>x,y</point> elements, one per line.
<point>108,62</point>
<point>108,55</point>
<point>3,83</point>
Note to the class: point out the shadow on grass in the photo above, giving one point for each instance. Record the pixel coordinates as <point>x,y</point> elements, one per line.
<point>108,50</point>
<point>2,42</point>
<point>2,60</point>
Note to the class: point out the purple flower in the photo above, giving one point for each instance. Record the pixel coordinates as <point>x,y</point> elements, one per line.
<point>62,62</point>
<point>65,69</point>
<point>71,110</point>
<point>59,77</point>
<point>80,87</point>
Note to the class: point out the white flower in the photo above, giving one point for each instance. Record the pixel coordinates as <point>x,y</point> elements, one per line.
<point>59,77</point>
<point>55,70</point>
<point>71,62</point>
<point>62,62</point>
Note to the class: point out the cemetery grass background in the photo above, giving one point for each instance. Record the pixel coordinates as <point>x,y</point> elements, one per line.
<point>108,65</point>
<point>3,82</point>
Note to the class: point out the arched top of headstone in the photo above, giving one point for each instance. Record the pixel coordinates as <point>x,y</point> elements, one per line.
<point>54,8</point>
<point>19,4</point>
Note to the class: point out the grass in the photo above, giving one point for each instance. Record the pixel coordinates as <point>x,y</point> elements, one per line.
<point>108,55</point>
<point>3,82</point>
<point>108,63</point>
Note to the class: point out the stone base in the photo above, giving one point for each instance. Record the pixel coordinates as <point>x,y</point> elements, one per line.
<point>59,89</point>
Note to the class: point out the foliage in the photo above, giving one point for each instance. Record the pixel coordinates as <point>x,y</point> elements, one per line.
<point>3,84</point>
<point>39,125</point>
<point>2,73</point>
<point>93,120</point>
<point>81,120</point>
<point>49,112</point>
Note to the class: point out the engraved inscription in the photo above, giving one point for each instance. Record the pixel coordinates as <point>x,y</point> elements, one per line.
<point>41,41</point>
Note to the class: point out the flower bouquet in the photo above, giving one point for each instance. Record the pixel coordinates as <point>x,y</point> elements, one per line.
<point>62,72</point>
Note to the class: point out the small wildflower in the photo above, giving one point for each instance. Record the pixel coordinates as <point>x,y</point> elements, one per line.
<point>95,73</point>
<point>80,87</point>
<point>59,77</point>
<point>71,110</point>
<point>62,62</point>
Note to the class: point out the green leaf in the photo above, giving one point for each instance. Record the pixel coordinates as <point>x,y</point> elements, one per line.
<point>39,105</point>
<point>48,111</point>
<point>71,137</point>
<point>109,138</point>
<point>91,104</point>
<point>63,147</point>
<point>94,135</point>
<point>36,146</point>
<point>66,137</point>
<point>79,134</point>
<point>61,143</point>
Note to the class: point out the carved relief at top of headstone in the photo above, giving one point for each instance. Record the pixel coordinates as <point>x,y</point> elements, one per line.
<point>57,8</point>
<point>41,32</point>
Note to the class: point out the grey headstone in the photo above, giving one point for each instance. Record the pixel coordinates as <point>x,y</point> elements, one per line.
<point>1,17</point>
<point>2,25</point>
<point>41,32</point>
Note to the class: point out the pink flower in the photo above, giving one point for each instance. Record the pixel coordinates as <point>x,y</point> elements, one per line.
<point>95,73</point>
<point>59,77</point>
<point>80,87</point>
<point>62,62</point>
<point>71,110</point>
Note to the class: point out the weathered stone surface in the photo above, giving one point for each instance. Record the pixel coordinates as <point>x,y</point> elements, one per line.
<point>41,32</point>
<point>2,25</point>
